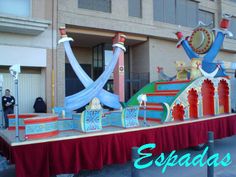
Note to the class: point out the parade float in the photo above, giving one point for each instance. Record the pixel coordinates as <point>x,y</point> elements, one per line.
<point>170,112</point>
<point>199,90</point>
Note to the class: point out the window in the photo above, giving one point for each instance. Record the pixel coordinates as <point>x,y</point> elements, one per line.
<point>206,17</point>
<point>108,56</point>
<point>15,7</point>
<point>181,12</point>
<point>98,5</point>
<point>98,61</point>
<point>232,27</point>
<point>135,8</point>
<point>164,10</point>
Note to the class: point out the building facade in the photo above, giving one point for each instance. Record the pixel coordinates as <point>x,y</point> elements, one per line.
<point>26,35</point>
<point>150,26</point>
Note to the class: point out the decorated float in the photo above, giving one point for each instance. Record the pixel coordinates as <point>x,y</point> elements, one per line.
<point>94,117</point>
<point>197,91</point>
<point>170,112</point>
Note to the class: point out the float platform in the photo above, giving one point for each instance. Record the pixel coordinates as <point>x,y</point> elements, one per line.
<point>72,151</point>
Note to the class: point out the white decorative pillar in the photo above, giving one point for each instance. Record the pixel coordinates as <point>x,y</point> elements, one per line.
<point>216,102</point>
<point>186,112</point>
<point>216,97</point>
<point>200,106</point>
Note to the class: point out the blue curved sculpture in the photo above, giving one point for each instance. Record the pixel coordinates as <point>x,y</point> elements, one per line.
<point>82,98</point>
<point>207,62</point>
<point>107,98</point>
<point>189,51</point>
<point>215,48</point>
<point>92,89</point>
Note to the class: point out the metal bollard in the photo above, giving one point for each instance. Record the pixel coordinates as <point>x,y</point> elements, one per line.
<point>135,155</point>
<point>210,169</point>
<point>1,110</point>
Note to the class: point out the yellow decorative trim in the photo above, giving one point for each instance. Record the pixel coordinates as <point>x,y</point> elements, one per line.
<point>123,118</point>
<point>82,121</point>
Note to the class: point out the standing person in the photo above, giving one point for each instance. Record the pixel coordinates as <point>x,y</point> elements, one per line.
<point>8,102</point>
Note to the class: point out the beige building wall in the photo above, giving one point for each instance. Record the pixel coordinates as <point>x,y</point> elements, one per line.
<point>119,20</point>
<point>140,58</point>
<point>82,54</point>
<point>60,76</point>
<point>36,32</point>
<point>164,53</point>
<point>226,56</point>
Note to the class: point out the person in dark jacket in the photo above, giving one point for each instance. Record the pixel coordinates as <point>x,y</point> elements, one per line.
<point>8,102</point>
<point>40,106</point>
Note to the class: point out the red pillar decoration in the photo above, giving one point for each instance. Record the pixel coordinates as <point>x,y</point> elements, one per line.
<point>119,75</point>
<point>223,92</point>
<point>178,112</point>
<point>225,21</point>
<point>193,103</point>
<point>208,97</point>
<point>63,31</point>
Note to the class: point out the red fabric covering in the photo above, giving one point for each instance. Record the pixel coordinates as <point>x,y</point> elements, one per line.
<point>70,156</point>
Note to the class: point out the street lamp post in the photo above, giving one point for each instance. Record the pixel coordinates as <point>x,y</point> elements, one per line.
<point>15,70</point>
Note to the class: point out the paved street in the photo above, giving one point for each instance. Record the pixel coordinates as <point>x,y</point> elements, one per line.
<point>124,170</point>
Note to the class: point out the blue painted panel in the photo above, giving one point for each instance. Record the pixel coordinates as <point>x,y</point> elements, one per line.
<point>65,125</point>
<point>131,117</point>
<point>92,120</point>
<point>106,121</point>
<point>12,122</point>
<point>151,114</point>
<point>115,118</point>
<point>160,99</point>
<point>176,86</point>
<point>77,124</point>
<point>41,128</point>
<point>76,116</point>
